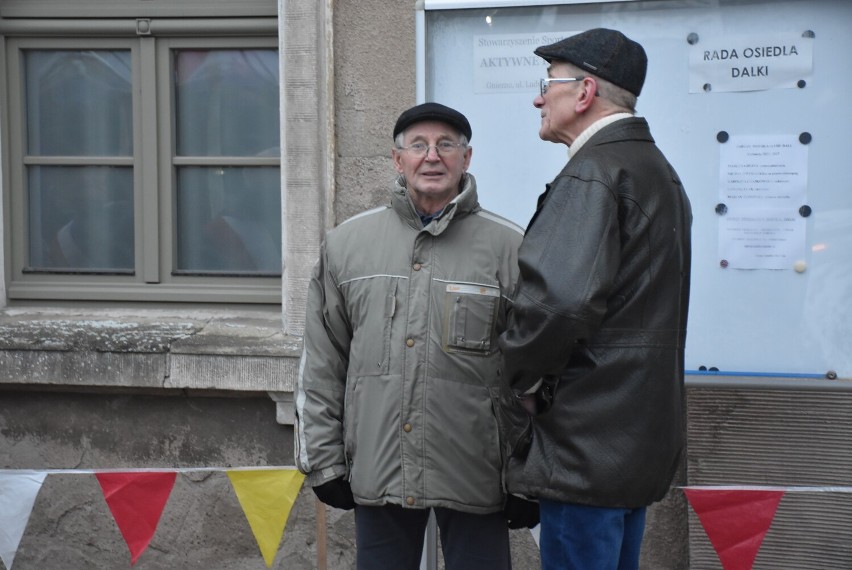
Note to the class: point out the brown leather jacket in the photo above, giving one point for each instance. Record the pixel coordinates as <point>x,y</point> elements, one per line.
<point>600,312</point>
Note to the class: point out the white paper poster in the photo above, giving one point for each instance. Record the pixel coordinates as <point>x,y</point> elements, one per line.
<point>761,238</point>
<point>750,63</point>
<point>506,63</point>
<point>763,171</point>
<point>763,180</point>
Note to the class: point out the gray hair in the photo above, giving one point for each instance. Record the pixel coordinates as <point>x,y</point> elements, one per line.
<point>616,95</point>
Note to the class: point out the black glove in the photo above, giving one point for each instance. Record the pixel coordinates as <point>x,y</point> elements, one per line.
<point>545,393</point>
<point>336,493</point>
<point>520,513</point>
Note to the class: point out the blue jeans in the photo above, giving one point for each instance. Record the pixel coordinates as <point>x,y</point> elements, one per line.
<point>580,537</point>
<point>391,538</point>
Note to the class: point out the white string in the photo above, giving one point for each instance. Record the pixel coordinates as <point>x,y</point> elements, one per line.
<point>141,470</point>
<point>793,489</point>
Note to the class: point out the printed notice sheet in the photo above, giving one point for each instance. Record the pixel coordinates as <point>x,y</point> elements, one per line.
<point>763,181</point>
<point>763,171</point>
<point>761,238</point>
<point>505,63</point>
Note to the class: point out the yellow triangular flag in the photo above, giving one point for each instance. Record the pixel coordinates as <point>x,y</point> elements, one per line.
<point>266,497</point>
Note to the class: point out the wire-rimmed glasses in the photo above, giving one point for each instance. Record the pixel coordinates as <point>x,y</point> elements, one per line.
<point>443,148</point>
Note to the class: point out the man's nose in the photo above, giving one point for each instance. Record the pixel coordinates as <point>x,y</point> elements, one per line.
<point>432,153</point>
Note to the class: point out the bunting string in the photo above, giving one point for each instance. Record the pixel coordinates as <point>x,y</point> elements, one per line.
<point>736,518</point>
<point>785,489</point>
<point>136,498</point>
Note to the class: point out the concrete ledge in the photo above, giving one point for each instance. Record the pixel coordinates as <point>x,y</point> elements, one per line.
<point>232,372</point>
<point>98,333</point>
<point>82,368</point>
<point>284,412</point>
<point>231,350</point>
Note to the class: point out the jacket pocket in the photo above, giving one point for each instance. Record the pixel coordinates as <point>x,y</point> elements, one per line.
<point>390,312</point>
<point>370,349</point>
<point>470,314</point>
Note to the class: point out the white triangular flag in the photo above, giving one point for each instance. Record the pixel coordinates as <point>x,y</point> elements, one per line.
<point>18,493</point>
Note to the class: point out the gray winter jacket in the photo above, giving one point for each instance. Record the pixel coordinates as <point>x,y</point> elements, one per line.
<point>398,381</point>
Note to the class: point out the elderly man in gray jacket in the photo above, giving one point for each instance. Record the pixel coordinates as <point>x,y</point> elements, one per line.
<point>396,397</point>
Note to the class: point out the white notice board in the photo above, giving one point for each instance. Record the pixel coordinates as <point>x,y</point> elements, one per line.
<point>719,73</point>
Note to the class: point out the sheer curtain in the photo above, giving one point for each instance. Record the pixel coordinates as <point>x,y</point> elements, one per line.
<point>228,217</point>
<point>79,104</point>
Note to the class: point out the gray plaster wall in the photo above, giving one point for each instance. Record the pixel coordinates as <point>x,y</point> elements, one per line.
<point>374,82</point>
<point>202,525</point>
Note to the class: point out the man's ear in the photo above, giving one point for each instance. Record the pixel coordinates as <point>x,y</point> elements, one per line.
<point>587,94</point>
<point>397,159</point>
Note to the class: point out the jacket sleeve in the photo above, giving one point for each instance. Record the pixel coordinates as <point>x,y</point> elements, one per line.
<point>567,261</point>
<point>321,384</point>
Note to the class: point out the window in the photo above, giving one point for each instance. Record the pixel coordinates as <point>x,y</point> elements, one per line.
<point>145,165</point>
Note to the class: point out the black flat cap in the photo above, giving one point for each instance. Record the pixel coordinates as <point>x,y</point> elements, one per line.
<point>433,112</point>
<point>609,54</point>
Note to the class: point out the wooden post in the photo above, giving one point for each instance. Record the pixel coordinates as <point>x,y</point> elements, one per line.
<point>322,535</point>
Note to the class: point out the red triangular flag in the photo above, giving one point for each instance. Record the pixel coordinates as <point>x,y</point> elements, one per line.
<point>136,501</point>
<point>736,521</point>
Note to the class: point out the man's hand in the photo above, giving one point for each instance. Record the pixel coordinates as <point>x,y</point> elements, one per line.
<point>520,513</point>
<point>336,493</point>
<point>528,402</point>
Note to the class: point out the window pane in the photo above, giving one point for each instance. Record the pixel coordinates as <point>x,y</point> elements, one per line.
<point>79,103</point>
<point>226,102</point>
<point>229,220</point>
<point>81,218</point>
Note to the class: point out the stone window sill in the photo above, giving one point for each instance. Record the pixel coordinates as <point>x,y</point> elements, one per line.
<point>194,349</point>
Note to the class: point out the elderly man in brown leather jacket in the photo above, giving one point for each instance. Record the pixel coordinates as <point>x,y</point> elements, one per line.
<point>593,352</point>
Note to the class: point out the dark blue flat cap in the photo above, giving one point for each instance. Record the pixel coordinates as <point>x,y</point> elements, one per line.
<point>609,54</point>
<point>433,112</point>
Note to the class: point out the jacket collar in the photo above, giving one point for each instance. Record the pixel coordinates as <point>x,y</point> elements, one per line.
<point>631,128</point>
<point>467,202</point>
<point>594,128</point>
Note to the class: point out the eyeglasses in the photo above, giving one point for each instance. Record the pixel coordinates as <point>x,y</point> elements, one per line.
<point>544,84</point>
<point>443,148</point>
